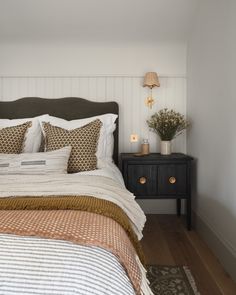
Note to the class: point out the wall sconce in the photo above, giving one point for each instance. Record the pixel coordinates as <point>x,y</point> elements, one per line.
<point>150,80</point>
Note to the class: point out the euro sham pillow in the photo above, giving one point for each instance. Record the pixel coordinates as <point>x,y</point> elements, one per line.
<point>12,138</point>
<point>106,139</point>
<point>33,136</point>
<point>54,162</point>
<point>83,140</point>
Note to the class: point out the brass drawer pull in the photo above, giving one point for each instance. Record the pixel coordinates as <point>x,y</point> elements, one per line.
<point>172,180</point>
<point>142,180</point>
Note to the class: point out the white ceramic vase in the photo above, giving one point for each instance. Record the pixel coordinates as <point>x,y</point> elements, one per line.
<point>165,147</point>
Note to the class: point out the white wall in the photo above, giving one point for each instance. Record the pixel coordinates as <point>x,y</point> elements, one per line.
<point>211,105</point>
<point>102,72</point>
<point>62,59</point>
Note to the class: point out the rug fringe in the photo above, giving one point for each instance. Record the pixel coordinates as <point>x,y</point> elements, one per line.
<point>191,280</point>
<point>145,289</point>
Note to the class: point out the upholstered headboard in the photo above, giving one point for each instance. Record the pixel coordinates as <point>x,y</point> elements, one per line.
<point>69,108</point>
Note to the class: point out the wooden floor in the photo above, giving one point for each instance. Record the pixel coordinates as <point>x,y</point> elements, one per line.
<point>167,242</point>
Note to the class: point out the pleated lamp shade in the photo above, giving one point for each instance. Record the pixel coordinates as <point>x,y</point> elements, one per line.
<point>151,80</point>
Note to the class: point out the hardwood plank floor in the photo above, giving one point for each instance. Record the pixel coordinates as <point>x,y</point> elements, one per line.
<point>167,242</point>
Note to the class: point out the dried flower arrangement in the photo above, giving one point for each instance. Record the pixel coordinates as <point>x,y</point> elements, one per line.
<point>167,124</point>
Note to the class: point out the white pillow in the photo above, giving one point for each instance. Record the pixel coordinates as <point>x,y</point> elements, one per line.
<point>33,136</point>
<point>106,138</point>
<point>54,162</point>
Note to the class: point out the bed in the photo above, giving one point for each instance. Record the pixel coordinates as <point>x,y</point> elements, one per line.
<point>69,233</point>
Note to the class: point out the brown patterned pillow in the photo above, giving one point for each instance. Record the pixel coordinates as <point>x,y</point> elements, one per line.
<point>12,138</point>
<point>83,141</point>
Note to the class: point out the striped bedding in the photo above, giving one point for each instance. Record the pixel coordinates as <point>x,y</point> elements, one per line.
<point>33,265</point>
<point>30,265</point>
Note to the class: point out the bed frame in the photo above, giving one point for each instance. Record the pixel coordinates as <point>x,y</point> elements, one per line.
<point>69,108</point>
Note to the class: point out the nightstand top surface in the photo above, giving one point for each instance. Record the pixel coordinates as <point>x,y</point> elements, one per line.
<point>156,156</point>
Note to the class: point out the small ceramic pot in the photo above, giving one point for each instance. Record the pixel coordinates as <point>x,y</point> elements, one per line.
<point>165,147</point>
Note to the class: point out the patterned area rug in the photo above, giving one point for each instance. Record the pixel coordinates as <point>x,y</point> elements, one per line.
<point>171,280</point>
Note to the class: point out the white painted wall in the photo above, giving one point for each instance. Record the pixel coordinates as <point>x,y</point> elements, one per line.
<point>102,72</point>
<point>75,59</point>
<point>211,105</point>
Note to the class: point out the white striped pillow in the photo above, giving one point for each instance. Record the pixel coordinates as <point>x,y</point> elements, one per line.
<point>53,162</point>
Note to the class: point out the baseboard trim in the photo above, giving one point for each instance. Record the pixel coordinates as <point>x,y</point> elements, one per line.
<point>219,247</point>
<point>159,206</point>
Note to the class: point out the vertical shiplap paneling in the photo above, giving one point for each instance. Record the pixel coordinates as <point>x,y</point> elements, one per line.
<point>127,91</point>
<point>110,94</point>
<point>58,87</point>
<point>127,114</point>
<point>74,86</point>
<point>41,88</point>
<point>92,89</point>
<point>84,87</point>
<point>1,88</point>
<point>180,106</point>
<point>118,95</point>
<point>101,89</point>
<point>135,109</point>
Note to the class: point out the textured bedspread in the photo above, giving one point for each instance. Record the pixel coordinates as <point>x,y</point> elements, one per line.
<point>72,185</point>
<point>82,203</point>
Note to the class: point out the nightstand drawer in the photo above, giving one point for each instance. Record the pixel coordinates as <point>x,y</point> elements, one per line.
<point>172,179</point>
<point>142,180</point>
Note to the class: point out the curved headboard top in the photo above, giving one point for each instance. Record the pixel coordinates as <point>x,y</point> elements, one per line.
<point>69,108</point>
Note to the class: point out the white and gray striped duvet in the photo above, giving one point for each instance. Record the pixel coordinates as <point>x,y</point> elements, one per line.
<point>30,265</point>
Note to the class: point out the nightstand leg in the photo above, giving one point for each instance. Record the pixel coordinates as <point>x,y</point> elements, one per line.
<point>188,213</point>
<point>178,207</point>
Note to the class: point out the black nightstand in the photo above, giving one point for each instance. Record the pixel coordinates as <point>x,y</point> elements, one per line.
<point>159,177</point>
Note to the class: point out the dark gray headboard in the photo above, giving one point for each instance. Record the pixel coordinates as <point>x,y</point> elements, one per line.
<point>69,108</point>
